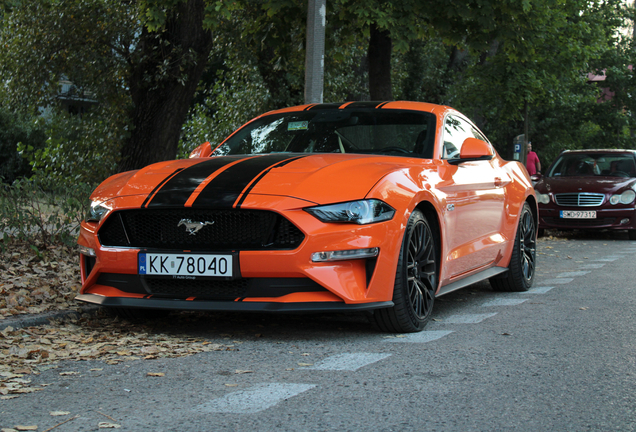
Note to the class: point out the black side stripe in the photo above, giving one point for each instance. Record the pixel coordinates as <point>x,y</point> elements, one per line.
<point>224,190</point>
<point>178,189</point>
<point>263,174</point>
<point>151,194</point>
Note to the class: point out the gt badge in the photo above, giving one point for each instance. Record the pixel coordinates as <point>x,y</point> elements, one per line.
<point>192,227</point>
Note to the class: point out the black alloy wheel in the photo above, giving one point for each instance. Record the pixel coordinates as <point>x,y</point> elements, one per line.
<point>415,280</point>
<point>522,265</point>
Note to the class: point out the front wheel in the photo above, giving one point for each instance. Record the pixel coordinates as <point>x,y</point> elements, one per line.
<point>415,280</point>
<point>524,253</point>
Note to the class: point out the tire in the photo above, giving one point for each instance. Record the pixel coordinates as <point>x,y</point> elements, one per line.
<point>631,234</point>
<point>416,280</point>
<point>524,253</point>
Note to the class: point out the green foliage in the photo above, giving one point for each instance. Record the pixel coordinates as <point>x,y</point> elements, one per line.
<point>84,41</point>
<point>16,129</point>
<point>78,149</point>
<point>42,210</point>
<point>238,96</point>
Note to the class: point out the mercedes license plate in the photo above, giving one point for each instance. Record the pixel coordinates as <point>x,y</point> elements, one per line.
<point>576,214</point>
<point>185,264</point>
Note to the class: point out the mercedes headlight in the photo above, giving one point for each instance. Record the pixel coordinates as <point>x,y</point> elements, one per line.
<point>543,198</point>
<point>359,212</point>
<point>623,198</point>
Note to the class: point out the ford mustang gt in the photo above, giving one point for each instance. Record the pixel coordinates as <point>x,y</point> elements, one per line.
<point>359,206</point>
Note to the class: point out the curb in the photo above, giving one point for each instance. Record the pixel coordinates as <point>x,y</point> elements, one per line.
<point>22,321</point>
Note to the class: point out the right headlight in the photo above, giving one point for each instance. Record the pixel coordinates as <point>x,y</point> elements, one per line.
<point>96,212</point>
<point>543,198</point>
<point>359,212</point>
<point>623,198</point>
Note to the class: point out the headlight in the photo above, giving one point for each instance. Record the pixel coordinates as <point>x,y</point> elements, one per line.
<point>96,212</point>
<point>624,198</point>
<point>543,198</point>
<point>358,212</point>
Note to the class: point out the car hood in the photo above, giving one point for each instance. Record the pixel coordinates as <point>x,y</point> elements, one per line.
<point>599,184</point>
<point>224,182</point>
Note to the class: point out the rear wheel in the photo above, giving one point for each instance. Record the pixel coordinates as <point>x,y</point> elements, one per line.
<point>415,280</point>
<point>524,253</point>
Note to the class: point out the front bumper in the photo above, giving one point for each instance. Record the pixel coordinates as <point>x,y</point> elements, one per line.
<point>606,218</point>
<point>272,280</point>
<point>209,305</point>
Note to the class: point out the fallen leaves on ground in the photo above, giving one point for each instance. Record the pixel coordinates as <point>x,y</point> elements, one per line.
<point>26,352</point>
<point>36,281</point>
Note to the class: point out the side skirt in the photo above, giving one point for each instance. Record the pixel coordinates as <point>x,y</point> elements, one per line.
<point>486,274</point>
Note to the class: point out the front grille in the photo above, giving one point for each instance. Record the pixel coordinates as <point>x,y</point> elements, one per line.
<point>583,199</point>
<point>202,289</point>
<point>227,230</point>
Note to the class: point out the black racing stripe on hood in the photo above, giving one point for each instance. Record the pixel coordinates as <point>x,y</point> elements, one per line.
<point>151,194</point>
<point>178,189</point>
<point>225,189</point>
<point>263,174</point>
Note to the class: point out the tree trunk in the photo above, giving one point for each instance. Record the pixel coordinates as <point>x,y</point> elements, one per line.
<point>380,47</point>
<point>166,68</point>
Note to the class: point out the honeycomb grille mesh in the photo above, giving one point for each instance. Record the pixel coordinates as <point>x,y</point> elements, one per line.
<point>225,230</point>
<point>202,289</point>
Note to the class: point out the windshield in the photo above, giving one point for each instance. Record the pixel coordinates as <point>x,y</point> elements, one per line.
<point>594,164</point>
<point>394,132</point>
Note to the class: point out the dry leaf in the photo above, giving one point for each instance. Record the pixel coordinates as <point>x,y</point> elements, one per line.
<point>155,374</point>
<point>59,413</point>
<point>106,425</point>
<point>26,428</point>
<point>239,371</point>
<point>305,364</point>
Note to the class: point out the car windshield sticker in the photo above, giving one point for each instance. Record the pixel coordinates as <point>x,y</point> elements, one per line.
<point>297,125</point>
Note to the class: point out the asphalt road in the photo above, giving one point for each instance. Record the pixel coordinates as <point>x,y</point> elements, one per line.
<point>561,357</point>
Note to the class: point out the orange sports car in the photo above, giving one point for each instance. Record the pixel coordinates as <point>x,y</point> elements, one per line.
<point>358,206</point>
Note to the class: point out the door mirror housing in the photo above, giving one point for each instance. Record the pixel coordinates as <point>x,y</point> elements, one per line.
<point>204,150</point>
<point>474,148</point>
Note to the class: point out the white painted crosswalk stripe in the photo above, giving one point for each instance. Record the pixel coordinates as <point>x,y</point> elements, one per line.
<point>559,281</point>
<point>572,274</point>
<point>421,337</point>
<point>593,266</point>
<point>254,399</point>
<point>537,290</point>
<point>467,318</point>
<point>348,361</point>
<point>504,302</point>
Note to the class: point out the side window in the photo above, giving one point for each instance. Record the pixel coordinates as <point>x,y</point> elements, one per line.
<point>456,130</point>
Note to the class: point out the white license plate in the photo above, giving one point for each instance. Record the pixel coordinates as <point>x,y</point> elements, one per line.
<point>166,264</point>
<point>575,214</point>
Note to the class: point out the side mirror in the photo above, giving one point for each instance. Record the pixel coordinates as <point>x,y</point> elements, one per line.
<point>474,148</point>
<point>204,150</point>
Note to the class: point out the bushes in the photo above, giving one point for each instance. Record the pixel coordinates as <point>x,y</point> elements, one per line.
<point>41,211</point>
<point>14,130</point>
